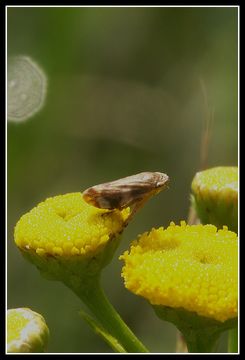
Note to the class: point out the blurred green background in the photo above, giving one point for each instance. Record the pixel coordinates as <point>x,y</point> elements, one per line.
<point>129,90</point>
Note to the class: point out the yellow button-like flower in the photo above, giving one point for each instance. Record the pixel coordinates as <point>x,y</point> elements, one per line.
<point>71,241</point>
<point>67,225</point>
<point>27,331</point>
<point>190,267</point>
<point>215,196</point>
<point>66,230</point>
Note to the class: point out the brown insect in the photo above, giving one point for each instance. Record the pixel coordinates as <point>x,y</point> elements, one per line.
<point>131,190</point>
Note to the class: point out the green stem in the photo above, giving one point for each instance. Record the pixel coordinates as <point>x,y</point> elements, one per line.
<point>200,341</point>
<point>233,340</point>
<point>98,329</point>
<point>200,333</point>
<point>95,299</point>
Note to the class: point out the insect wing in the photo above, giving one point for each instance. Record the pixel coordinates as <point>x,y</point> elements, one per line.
<point>126,191</point>
<point>115,196</point>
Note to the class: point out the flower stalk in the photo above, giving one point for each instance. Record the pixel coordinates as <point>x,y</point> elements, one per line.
<point>200,333</point>
<point>95,299</point>
<point>233,340</point>
<point>99,330</point>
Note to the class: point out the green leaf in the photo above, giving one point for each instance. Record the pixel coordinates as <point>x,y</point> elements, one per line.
<point>99,330</point>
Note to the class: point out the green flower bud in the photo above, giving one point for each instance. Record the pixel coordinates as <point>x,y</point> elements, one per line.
<point>27,331</point>
<point>215,196</point>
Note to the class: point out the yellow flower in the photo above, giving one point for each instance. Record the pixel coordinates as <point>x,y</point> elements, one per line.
<point>27,331</point>
<point>71,241</point>
<point>215,194</point>
<point>67,225</point>
<point>189,267</point>
<point>65,229</point>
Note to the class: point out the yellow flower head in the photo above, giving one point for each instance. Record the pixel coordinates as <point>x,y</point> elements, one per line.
<point>189,267</point>
<point>66,228</point>
<point>27,331</point>
<point>215,194</point>
<point>67,225</point>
